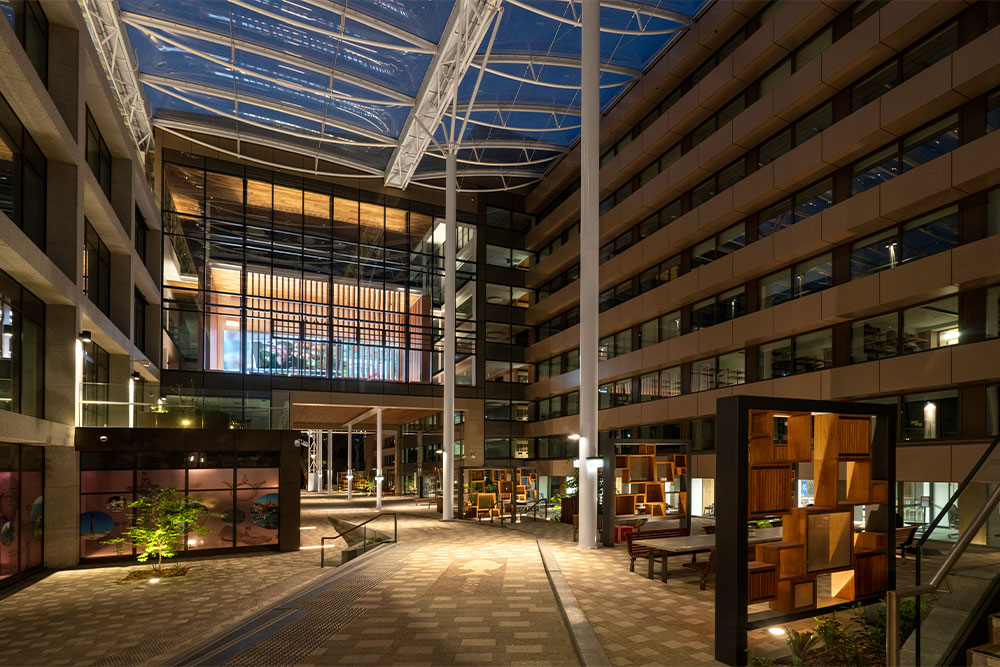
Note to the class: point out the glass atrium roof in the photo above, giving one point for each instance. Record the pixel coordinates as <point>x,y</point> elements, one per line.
<point>339,80</point>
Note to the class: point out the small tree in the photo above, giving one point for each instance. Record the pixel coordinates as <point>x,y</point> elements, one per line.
<point>159,521</point>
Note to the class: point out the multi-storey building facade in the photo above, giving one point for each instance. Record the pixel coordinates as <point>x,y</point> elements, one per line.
<point>80,261</point>
<point>797,199</point>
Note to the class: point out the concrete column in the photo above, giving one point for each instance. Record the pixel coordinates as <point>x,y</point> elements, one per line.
<point>64,74</point>
<point>121,192</point>
<point>122,293</point>
<point>590,118</point>
<point>378,459</point>
<point>64,219</point>
<point>61,328</point>
<point>350,457</point>
<point>450,249</point>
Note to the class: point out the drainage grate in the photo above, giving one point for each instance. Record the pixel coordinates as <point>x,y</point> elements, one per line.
<point>328,610</point>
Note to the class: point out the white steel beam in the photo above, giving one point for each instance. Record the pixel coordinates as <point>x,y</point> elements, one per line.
<point>553,61</point>
<point>379,475</point>
<point>244,136</point>
<point>355,15</point>
<point>350,461</point>
<point>160,81</point>
<point>149,23</point>
<point>589,240</point>
<point>104,21</point>
<point>465,30</point>
<point>448,358</point>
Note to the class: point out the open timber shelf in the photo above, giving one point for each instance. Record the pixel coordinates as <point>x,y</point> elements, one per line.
<point>820,539</point>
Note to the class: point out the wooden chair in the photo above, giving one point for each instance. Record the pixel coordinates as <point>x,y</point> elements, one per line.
<point>904,538</point>
<point>639,551</point>
<point>703,567</point>
<point>484,504</point>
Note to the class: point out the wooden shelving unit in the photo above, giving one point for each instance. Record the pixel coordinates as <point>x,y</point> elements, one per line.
<point>647,483</point>
<point>819,539</point>
<point>766,449</point>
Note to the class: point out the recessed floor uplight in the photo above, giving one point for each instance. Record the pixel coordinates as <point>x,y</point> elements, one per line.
<point>154,580</point>
<point>307,527</point>
<point>777,632</point>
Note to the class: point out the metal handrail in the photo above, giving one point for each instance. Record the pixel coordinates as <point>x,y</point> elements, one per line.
<point>533,508</point>
<point>364,535</point>
<point>490,510</point>
<point>955,496</point>
<point>964,540</point>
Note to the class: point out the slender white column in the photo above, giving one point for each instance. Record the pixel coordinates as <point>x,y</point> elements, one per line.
<point>329,463</point>
<point>590,117</point>
<point>378,459</point>
<point>350,470</point>
<point>450,242</point>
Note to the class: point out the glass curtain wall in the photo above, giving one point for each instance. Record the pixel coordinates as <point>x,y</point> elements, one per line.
<point>269,274</point>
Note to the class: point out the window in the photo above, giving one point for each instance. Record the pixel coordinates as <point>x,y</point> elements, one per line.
<point>931,415</point>
<point>813,351</point>
<point>775,359</point>
<point>95,394</point>
<point>660,384</point>
<point>32,30</point>
<point>931,325</point>
<point>775,288</point>
<point>993,212</point>
<point>139,322</point>
<point>140,235</point>
<point>703,375</point>
<point>993,312</point>
<point>649,333</point>
<point>937,139</point>
<point>623,342</point>
<point>931,141</point>
<point>720,308</point>
<point>930,234</point>
<point>718,246</point>
<point>875,253</point>
<point>670,325</point>
<point>813,275</point>
<point>22,349</point>
<point>731,369</point>
<point>787,212</point>
<point>23,177</point>
<point>875,338</point>
<point>916,58</point>
<point>96,269</point>
<point>98,155</point>
<point>993,108</point>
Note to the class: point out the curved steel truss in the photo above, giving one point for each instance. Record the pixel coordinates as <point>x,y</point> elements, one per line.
<point>383,89</point>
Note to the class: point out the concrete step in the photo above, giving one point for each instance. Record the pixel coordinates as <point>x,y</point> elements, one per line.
<point>995,628</point>
<point>987,655</point>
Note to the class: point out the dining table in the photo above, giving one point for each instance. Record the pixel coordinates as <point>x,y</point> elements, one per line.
<point>665,547</point>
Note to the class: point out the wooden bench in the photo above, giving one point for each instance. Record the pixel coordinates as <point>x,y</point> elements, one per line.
<point>638,551</point>
<point>703,567</point>
<point>904,538</point>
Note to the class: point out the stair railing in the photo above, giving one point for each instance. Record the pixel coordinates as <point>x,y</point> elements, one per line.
<point>965,539</point>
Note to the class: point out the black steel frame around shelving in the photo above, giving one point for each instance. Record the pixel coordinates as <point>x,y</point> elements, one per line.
<point>732,621</point>
<point>610,449</point>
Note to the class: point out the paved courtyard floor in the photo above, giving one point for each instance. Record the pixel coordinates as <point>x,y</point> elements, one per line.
<point>447,593</point>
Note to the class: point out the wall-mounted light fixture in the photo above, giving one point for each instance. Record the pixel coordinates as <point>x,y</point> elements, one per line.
<point>136,375</point>
<point>85,336</point>
<point>573,436</point>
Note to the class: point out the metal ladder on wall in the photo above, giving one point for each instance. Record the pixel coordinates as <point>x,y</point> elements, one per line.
<point>959,582</point>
